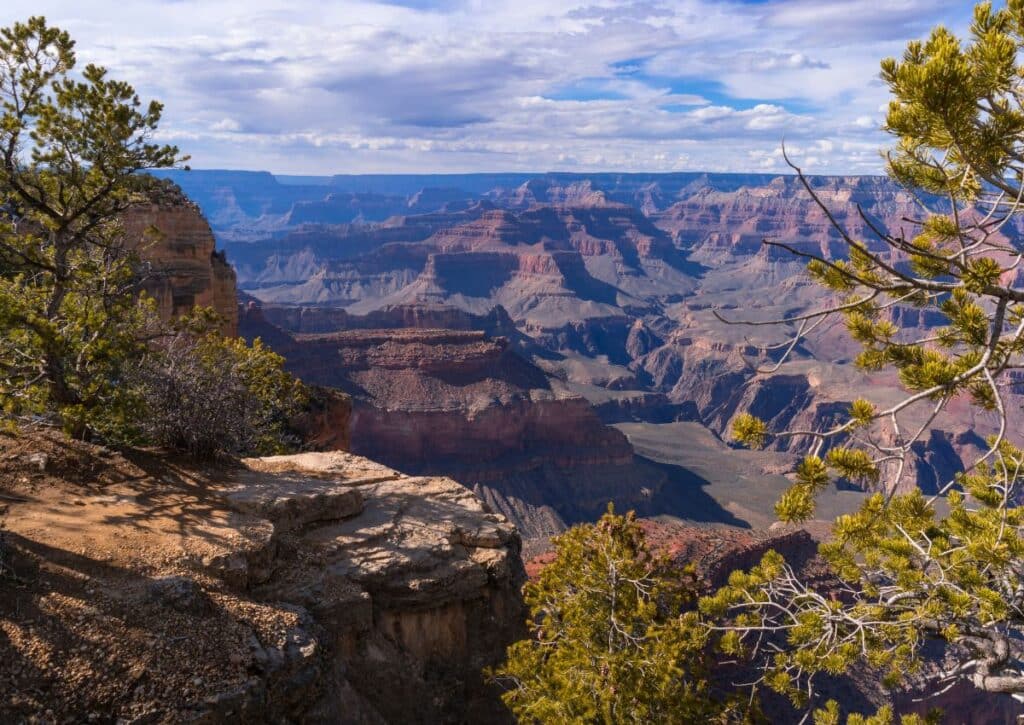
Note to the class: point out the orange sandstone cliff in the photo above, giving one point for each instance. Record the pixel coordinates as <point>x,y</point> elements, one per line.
<point>186,270</point>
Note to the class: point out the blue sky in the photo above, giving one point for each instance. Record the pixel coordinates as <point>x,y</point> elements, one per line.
<point>307,87</point>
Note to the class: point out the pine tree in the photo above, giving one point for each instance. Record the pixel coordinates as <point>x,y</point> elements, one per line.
<point>610,640</point>
<point>912,571</point>
<point>70,312</point>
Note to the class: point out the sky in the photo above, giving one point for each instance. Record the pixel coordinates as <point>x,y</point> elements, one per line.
<point>433,86</point>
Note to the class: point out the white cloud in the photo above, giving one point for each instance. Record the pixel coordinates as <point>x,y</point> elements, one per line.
<point>353,85</point>
<point>227,125</point>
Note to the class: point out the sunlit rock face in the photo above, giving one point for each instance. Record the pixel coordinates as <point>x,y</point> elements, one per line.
<point>316,587</point>
<point>185,270</point>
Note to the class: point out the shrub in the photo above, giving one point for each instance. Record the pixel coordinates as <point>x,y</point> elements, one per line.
<point>610,640</point>
<point>207,395</point>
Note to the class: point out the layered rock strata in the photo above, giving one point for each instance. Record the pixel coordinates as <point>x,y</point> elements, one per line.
<point>610,284</point>
<point>185,269</point>
<point>469,405</point>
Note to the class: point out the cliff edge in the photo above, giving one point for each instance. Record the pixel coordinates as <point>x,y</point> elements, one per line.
<point>318,587</point>
<point>186,269</point>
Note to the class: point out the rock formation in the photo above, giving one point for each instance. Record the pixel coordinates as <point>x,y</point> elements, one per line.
<point>326,422</point>
<point>320,587</point>
<point>185,269</point>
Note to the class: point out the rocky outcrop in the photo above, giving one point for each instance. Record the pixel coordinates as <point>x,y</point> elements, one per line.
<point>714,551</point>
<point>640,407</point>
<point>564,433</point>
<point>306,319</point>
<point>718,551</point>
<point>607,336</point>
<point>319,587</point>
<point>548,191</point>
<point>415,583</point>
<point>185,268</point>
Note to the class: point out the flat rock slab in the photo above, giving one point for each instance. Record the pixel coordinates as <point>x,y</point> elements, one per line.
<point>295,491</point>
<point>336,465</point>
<point>408,540</point>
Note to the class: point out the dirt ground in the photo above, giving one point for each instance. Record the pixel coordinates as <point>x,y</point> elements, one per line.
<point>93,625</point>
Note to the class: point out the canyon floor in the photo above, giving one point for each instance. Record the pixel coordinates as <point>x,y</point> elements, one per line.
<point>722,484</point>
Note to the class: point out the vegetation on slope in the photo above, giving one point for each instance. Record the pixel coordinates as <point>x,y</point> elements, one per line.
<point>609,641</point>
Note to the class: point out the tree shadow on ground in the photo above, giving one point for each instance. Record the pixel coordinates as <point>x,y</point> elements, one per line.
<point>179,491</point>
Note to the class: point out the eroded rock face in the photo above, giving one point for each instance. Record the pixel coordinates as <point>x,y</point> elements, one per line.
<point>723,222</point>
<point>326,423</point>
<point>304,319</point>
<point>186,269</point>
<point>415,583</point>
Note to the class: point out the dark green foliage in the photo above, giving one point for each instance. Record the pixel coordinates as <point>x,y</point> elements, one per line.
<point>80,344</point>
<point>610,641</point>
<point>70,308</point>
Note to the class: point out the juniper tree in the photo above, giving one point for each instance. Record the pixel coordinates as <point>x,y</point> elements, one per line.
<point>911,569</point>
<point>70,146</point>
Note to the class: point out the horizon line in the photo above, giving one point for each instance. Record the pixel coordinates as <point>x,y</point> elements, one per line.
<point>512,173</point>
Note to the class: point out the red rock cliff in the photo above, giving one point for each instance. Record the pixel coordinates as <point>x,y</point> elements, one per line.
<point>467,404</point>
<point>187,269</point>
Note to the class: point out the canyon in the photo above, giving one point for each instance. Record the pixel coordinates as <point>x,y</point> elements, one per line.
<point>464,401</point>
<point>608,286</point>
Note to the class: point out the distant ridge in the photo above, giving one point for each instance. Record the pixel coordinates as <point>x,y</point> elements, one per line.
<point>233,199</point>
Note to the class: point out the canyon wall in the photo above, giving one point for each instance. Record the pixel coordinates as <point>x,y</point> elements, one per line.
<point>184,268</point>
<point>469,404</point>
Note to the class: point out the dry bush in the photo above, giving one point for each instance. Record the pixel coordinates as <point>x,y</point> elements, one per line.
<point>207,395</point>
